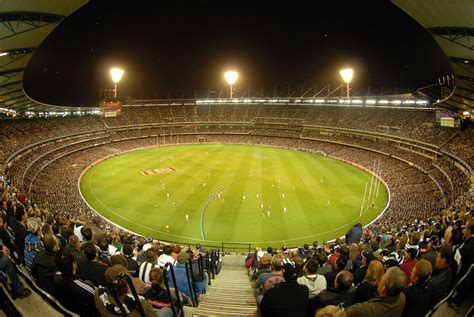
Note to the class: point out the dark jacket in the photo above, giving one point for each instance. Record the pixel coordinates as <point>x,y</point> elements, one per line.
<point>418,298</point>
<point>354,234</point>
<point>44,269</point>
<point>334,297</point>
<point>285,299</point>
<point>441,282</point>
<point>365,291</point>
<point>93,271</point>
<point>386,307</point>
<point>75,294</point>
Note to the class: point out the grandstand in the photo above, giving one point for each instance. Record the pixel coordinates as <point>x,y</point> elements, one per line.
<point>427,168</point>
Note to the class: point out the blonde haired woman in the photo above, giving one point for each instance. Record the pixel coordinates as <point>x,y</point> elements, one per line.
<point>368,288</point>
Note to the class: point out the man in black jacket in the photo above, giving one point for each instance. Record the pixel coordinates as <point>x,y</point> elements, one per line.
<point>442,275</point>
<point>288,298</point>
<point>418,294</point>
<point>91,269</point>
<point>44,267</point>
<point>72,292</point>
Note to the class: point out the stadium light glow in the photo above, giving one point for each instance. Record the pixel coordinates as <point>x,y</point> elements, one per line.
<point>231,77</point>
<point>3,54</point>
<point>346,75</point>
<point>116,74</point>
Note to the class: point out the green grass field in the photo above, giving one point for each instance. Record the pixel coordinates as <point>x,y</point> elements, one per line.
<point>233,193</point>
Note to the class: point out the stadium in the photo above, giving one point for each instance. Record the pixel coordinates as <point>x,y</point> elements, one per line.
<point>297,177</point>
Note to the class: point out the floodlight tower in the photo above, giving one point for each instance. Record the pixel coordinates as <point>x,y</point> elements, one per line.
<point>231,77</point>
<point>347,74</point>
<point>116,74</point>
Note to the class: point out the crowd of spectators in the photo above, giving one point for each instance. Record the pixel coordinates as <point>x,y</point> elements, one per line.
<point>52,230</point>
<point>400,271</point>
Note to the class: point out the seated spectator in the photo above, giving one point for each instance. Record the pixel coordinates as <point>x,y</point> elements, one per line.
<point>18,222</point>
<point>388,303</point>
<point>359,274</point>
<point>105,300</point>
<point>409,261</point>
<point>324,266</point>
<point>419,291</point>
<point>74,246</point>
<point>343,293</point>
<point>442,277</point>
<point>33,243</point>
<point>72,292</point>
<point>44,267</point>
<point>338,266</point>
<point>104,255</point>
<point>368,288</point>
<point>90,268</point>
<point>7,236</point>
<point>316,283</point>
<point>157,295</point>
<point>145,267</point>
<point>132,265</point>
<point>137,283</point>
<point>268,280</point>
<point>182,277</point>
<point>288,298</point>
<point>7,266</point>
<point>264,267</point>
<point>165,257</point>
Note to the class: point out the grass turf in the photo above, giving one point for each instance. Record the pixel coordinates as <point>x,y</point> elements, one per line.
<point>252,194</point>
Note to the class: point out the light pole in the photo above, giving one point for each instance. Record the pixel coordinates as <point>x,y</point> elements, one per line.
<point>116,74</point>
<point>231,77</point>
<point>347,77</point>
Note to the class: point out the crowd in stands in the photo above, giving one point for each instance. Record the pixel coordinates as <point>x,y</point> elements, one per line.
<point>408,252</point>
<point>400,271</point>
<point>80,262</point>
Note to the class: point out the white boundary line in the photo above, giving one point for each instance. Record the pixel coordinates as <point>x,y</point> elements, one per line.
<point>213,241</point>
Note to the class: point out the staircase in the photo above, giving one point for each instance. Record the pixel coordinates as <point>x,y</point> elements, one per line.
<point>230,293</point>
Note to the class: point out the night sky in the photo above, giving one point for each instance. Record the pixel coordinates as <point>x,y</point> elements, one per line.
<point>179,49</point>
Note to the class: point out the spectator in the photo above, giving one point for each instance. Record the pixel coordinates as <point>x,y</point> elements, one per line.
<point>104,255</point>
<point>166,257</point>
<point>44,267</point>
<point>316,283</point>
<point>368,288</point>
<point>33,243</point>
<point>105,300</point>
<point>156,294</point>
<point>182,277</point>
<point>91,269</point>
<point>466,249</point>
<point>264,267</point>
<point>145,267</point>
<point>338,266</point>
<point>268,280</point>
<point>324,266</point>
<point>360,273</point>
<point>354,234</point>
<point>442,278</point>
<point>132,265</point>
<point>74,246</point>
<point>7,266</point>
<point>390,300</point>
<point>288,298</point>
<point>419,293</point>
<point>343,293</point>
<point>409,261</point>
<point>72,292</point>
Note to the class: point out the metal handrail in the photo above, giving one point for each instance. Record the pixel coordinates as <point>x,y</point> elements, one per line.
<point>119,302</point>
<point>188,265</point>
<point>177,311</point>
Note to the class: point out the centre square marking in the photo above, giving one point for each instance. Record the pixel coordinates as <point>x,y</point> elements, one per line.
<point>158,171</point>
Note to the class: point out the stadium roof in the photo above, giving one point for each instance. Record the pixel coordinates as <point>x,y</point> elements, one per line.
<point>25,25</point>
<point>451,24</point>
